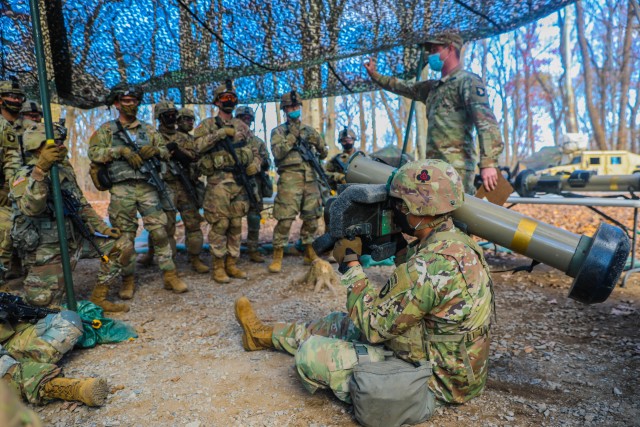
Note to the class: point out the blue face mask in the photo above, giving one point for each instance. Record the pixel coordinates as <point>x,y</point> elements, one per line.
<point>435,63</point>
<point>295,114</point>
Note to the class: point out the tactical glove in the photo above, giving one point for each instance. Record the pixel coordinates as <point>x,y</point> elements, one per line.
<point>245,156</point>
<point>291,140</point>
<point>172,146</point>
<point>346,250</point>
<point>64,151</point>
<point>132,158</point>
<point>252,169</point>
<point>148,151</point>
<point>49,155</point>
<point>112,232</point>
<point>226,132</point>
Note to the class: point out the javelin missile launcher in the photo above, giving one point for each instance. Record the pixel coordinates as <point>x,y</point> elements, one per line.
<point>527,183</point>
<point>364,211</point>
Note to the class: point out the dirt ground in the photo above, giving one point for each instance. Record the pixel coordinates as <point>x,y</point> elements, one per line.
<point>554,362</point>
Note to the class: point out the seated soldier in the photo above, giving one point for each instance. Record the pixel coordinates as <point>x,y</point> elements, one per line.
<point>35,233</point>
<point>28,357</point>
<point>435,308</point>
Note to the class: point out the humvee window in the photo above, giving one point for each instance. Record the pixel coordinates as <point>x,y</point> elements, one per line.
<point>616,160</point>
<point>594,161</point>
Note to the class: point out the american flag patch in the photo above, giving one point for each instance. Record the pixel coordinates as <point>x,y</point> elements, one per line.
<point>19,180</point>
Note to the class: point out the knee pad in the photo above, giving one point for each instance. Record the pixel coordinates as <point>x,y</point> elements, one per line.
<point>61,330</point>
<point>253,221</point>
<point>160,237</point>
<point>235,225</point>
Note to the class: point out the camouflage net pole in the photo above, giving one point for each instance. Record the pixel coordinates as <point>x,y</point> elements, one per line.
<point>55,177</point>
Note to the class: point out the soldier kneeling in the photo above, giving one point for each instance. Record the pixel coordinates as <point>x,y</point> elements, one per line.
<point>35,233</point>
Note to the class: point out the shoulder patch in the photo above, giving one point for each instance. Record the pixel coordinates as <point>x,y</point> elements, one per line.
<point>19,180</point>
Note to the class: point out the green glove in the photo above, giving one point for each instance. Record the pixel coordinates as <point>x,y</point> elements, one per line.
<point>346,250</point>
<point>148,151</point>
<point>132,158</point>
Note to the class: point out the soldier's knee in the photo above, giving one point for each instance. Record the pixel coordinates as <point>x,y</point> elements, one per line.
<point>38,292</point>
<point>220,226</point>
<point>235,225</point>
<point>62,330</point>
<point>253,221</point>
<point>160,237</point>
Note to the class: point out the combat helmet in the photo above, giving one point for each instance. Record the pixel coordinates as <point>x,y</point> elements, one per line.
<point>290,99</point>
<point>226,87</point>
<point>34,136</point>
<point>346,133</point>
<point>12,86</point>
<point>123,89</point>
<point>428,187</point>
<point>186,112</point>
<point>31,106</point>
<point>245,110</point>
<point>164,106</point>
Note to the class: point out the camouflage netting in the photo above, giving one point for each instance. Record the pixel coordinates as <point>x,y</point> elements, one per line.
<point>184,48</point>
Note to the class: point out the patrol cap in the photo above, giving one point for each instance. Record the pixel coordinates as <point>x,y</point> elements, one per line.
<point>245,110</point>
<point>164,106</point>
<point>447,38</point>
<point>186,112</point>
<point>428,187</point>
<point>290,99</point>
<point>31,106</point>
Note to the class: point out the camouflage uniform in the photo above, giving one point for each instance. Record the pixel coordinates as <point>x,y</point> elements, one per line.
<point>436,305</point>
<point>13,413</point>
<point>336,167</point>
<point>298,187</point>
<point>131,192</point>
<point>456,104</point>
<point>29,352</point>
<point>10,161</point>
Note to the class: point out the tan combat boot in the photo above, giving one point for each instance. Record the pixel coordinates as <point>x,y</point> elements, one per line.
<point>99,298</point>
<point>255,256</point>
<point>256,335</point>
<point>90,391</point>
<point>232,270</point>
<point>309,255</point>
<point>197,265</point>
<point>173,283</point>
<point>218,274</point>
<point>128,287</point>
<point>276,265</point>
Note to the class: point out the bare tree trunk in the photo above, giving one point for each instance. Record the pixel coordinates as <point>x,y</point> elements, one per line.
<point>569,97</point>
<point>374,136</point>
<point>625,81</point>
<point>594,112</point>
<point>330,124</point>
<point>187,61</point>
<point>392,117</point>
<point>515,139</point>
<point>363,122</point>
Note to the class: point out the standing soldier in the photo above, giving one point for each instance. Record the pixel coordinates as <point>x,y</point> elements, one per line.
<point>337,167</point>
<point>119,169</point>
<point>31,110</point>
<point>298,187</point>
<point>181,146</point>
<point>222,143</point>
<point>247,115</point>
<point>35,233</point>
<point>456,104</point>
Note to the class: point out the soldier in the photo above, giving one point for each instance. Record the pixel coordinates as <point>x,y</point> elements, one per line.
<point>456,103</point>
<point>11,98</point>
<point>181,146</point>
<point>226,200</point>
<point>298,187</point>
<point>439,299</point>
<point>119,167</point>
<point>337,167</point>
<point>247,115</point>
<point>35,233</point>
<point>31,110</point>
<point>28,357</point>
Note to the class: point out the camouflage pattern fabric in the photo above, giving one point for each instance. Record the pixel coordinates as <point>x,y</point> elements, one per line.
<point>298,188</point>
<point>440,301</point>
<point>254,215</point>
<point>131,192</point>
<point>335,170</point>
<point>13,413</point>
<point>11,162</point>
<point>44,284</point>
<point>225,200</point>
<point>29,353</point>
<point>455,104</point>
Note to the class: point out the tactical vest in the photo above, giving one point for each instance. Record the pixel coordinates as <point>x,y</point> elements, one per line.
<point>413,345</point>
<point>120,170</point>
<point>216,159</point>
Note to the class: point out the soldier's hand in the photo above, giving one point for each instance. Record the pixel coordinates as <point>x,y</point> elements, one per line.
<point>245,156</point>
<point>148,151</point>
<point>112,232</point>
<point>64,151</point>
<point>346,250</point>
<point>226,132</point>
<point>489,178</point>
<point>172,146</point>
<point>132,158</point>
<point>49,155</point>
<point>370,64</point>
<point>291,139</point>
<point>252,169</point>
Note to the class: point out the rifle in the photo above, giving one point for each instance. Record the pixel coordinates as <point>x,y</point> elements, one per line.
<point>176,168</point>
<point>13,307</point>
<point>71,207</point>
<point>309,156</point>
<point>151,166</point>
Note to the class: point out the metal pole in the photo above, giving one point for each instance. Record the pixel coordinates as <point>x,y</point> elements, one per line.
<point>412,108</point>
<point>55,178</point>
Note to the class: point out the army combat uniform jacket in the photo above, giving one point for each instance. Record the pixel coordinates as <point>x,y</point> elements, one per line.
<point>336,169</point>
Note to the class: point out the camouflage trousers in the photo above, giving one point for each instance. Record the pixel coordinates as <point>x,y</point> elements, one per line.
<point>191,219</point>
<point>298,193</point>
<point>28,359</point>
<point>14,413</point>
<point>6,247</point>
<point>44,284</point>
<point>468,177</point>
<point>225,203</point>
<point>324,351</point>
<point>127,199</point>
